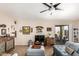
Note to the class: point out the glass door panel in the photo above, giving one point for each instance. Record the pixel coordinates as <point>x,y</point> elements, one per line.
<point>61,33</point>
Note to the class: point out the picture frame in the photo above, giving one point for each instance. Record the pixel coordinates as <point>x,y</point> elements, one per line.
<point>39,29</point>
<point>49,29</point>
<point>14,34</point>
<point>26,29</point>
<point>3,31</point>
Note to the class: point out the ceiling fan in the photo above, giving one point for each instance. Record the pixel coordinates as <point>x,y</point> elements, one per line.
<point>51,6</point>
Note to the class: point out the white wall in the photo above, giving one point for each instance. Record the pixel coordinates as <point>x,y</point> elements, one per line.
<point>23,39</point>
<point>8,21</point>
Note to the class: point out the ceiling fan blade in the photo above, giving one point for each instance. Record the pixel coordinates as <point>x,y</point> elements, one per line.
<point>56,5</point>
<point>47,5</point>
<point>58,9</point>
<point>44,11</point>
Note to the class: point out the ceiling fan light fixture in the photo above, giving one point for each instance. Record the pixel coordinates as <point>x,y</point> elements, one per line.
<point>51,7</point>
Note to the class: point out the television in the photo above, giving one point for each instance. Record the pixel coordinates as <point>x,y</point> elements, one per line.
<point>39,38</point>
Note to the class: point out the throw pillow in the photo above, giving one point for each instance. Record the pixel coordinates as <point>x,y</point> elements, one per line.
<point>69,50</point>
<point>36,46</point>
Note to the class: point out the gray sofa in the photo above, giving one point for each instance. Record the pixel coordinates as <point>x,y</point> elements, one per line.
<point>60,50</point>
<point>35,52</point>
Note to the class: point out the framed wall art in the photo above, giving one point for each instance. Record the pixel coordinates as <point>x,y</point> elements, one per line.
<point>26,29</point>
<point>49,29</point>
<point>39,29</point>
<point>3,31</point>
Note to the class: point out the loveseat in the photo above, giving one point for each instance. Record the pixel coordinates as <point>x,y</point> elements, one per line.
<point>69,49</point>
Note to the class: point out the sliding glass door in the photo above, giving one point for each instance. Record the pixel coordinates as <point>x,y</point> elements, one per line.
<point>61,34</point>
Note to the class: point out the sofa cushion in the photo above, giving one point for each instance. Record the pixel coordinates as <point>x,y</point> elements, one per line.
<point>75,54</point>
<point>76,46</point>
<point>61,50</point>
<point>35,52</point>
<point>69,50</point>
<point>70,44</point>
<point>67,43</point>
<point>77,51</point>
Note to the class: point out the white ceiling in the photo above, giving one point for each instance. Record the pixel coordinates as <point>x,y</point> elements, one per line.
<point>31,11</point>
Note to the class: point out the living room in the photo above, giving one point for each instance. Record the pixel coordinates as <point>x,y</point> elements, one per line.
<point>22,22</point>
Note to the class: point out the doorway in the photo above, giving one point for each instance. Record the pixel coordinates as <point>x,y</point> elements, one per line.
<point>61,34</point>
